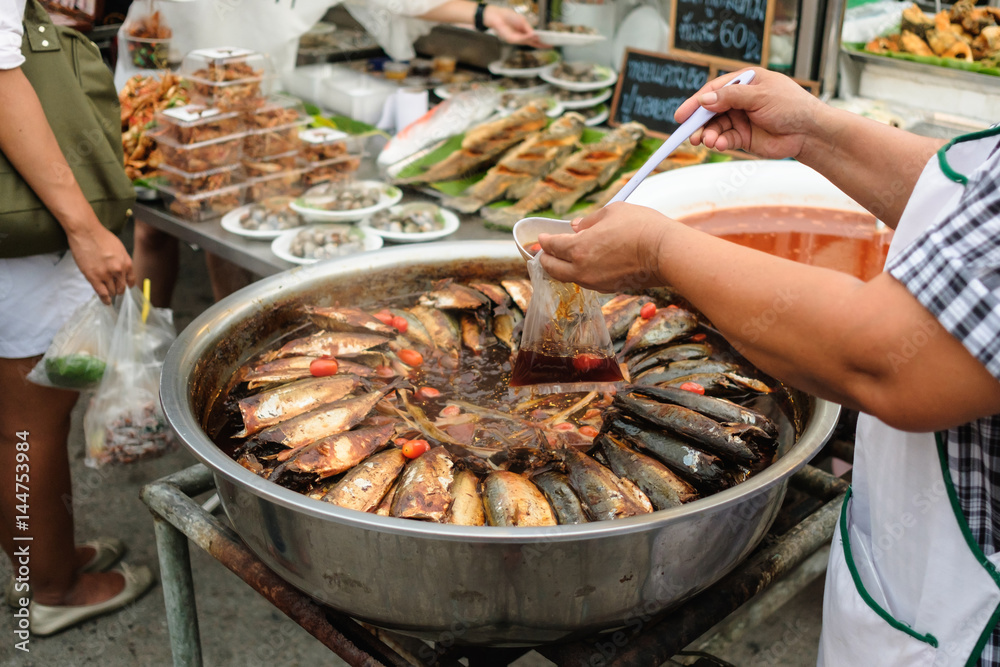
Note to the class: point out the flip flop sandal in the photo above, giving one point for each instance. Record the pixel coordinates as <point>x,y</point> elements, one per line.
<point>107,552</point>
<point>48,620</point>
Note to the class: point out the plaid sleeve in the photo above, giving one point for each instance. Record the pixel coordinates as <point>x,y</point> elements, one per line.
<point>953,269</point>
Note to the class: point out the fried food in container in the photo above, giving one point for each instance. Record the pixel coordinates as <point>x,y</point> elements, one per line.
<point>194,183</point>
<point>273,128</point>
<point>228,77</point>
<point>203,205</point>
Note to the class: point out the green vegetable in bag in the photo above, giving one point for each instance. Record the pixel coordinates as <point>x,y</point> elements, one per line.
<point>74,370</point>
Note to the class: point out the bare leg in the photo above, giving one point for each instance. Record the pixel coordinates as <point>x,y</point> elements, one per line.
<point>156,256</point>
<point>226,277</point>
<point>45,414</point>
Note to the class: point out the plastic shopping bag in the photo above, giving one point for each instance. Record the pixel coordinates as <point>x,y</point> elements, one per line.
<point>124,421</point>
<point>565,345</point>
<point>78,354</point>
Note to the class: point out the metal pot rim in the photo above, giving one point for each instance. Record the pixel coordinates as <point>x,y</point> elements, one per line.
<point>197,339</point>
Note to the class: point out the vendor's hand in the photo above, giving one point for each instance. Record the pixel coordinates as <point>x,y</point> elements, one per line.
<point>771,117</point>
<point>616,248</point>
<point>103,260</point>
<point>511,27</point>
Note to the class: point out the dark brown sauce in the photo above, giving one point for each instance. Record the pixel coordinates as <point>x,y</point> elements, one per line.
<point>532,368</point>
<point>846,241</point>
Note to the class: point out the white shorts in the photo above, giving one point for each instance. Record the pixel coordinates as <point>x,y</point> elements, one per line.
<point>38,294</point>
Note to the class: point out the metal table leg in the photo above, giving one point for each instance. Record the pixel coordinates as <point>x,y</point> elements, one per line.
<point>178,594</point>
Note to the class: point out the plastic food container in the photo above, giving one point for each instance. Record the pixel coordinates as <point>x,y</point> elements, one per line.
<point>195,123</point>
<point>323,143</point>
<point>203,205</point>
<point>273,128</point>
<point>201,156</point>
<point>335,170</point>
<point>148,53</point>
<point>192,183</point>
<point>395,71</point>
<point>228,77</point>
<point>287,183</point>
<point>269,166</point>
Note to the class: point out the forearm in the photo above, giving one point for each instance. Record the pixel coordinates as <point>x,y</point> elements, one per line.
<point>876,165</point>
<point>458,11</point>
<point>27,141</point>
<point>869,346</point>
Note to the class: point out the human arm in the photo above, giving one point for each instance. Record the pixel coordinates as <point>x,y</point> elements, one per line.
<point>509,26</point>
<point>773,117</point>
<point>870,346</point>
<point>28,142</point>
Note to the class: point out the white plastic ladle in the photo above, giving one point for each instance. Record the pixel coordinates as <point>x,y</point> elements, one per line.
<point>526,230</point>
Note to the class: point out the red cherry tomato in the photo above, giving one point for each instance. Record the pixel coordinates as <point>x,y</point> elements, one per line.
<point>415,448</point>
<point>427,392</point>
<point>698,337</point>
<point>411,357</point>
<point>585,361</point>
<point>385,372</point>
<point>648,310</point>
<point>534,248</point>
<point>399,323</point>
<point>323,366</point>
<point>589,431</point>
<point>693,387</point>
<point>563,426</point>
<point>450,411</point>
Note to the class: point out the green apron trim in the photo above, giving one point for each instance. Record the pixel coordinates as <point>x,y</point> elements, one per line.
<point>863,592</point>
<point>963,525</point>
<point>943,157</point>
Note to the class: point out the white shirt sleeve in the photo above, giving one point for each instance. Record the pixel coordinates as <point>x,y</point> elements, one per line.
<point>11,31</point>
<point>388,22</point>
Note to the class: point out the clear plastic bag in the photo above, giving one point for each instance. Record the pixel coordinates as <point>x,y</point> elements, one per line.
<point>565,345</point>
<point>124,421</point>
<point>78,354</point>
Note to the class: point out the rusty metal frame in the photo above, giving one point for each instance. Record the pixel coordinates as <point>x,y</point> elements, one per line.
<point>649,642</point>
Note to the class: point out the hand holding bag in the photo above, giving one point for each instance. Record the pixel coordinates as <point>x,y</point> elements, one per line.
<point>78,94</point>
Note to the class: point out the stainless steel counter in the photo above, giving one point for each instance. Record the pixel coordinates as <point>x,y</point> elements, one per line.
<point>256,256</point>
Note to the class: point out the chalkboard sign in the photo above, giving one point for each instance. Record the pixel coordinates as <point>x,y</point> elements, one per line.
<point>651,86</point>
<point>736,32</point>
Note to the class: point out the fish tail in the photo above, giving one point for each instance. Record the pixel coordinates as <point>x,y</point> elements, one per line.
<point>466,204</point>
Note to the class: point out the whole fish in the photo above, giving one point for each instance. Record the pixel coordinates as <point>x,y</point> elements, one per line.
<point>506,323</point>
<point>718,383</point>
<point>475,336</point>
<point>524,163</point>
<point>415,329</point>
<point>449,294</point>
<point>276,405</point>
<point>467,505</point>
<point>346,319</point>
<point>600,489</point>
<point>682,367</point>
<point>323,421</point>
<point>621,311</point>
<point>519,290</point>
<point>660,356</point>
<point>365,486</point>
<point>385,506</point>
<point>441,326</point>
<point>716,408</point>
<point>330,344</point>
<point>512,500</point>
<point>693,465</point>
<point>562,498</point>
<point>423,491</point>
<point>335,454</point>
<point>661,486</point>
<point>585,170</point>
<point>497,294</point>
<point>482,144</point>
<point>712,435</point>
<point>666,325</point>
<point>632,490</point>
<point>278,371</point>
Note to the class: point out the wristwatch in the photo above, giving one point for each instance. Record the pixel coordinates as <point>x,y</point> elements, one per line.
<point>480,11</point>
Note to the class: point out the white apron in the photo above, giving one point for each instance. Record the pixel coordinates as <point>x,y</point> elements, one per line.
<point>907,584</point>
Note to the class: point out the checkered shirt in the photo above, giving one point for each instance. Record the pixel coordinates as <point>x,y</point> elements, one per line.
<point>954,271</point>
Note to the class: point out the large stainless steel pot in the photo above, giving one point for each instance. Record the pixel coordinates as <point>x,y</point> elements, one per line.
<point>477,585</point>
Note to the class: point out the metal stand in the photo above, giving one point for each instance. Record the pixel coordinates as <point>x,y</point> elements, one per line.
<point>810,518</point>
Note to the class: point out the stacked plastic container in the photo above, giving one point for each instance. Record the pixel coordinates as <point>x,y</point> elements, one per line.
<point>330,156</point>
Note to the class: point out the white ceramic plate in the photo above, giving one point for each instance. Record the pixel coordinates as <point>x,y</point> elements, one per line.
<point>497,67</point>
<point>542,87</point>
<point>280,246</point>
<point>446,91</point>
<point>390,195</point>
<point>587,102</point>
<point>642,29</point>
<point>554,107</point>
<point>600,117</point>
<point>607,78</point>
<point>561,38</point>
<point>231,222</point>
<point>451,224</point>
